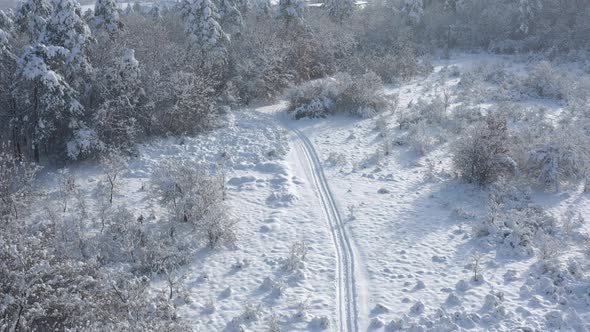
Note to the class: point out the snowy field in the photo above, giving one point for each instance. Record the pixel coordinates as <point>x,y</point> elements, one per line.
<point>335,234</point>
<point>295,165</point>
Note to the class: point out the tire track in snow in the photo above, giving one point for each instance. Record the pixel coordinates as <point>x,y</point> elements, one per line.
<point>347,295</point>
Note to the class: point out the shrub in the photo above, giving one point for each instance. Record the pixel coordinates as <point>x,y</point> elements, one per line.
<point>358,96</point>
<point>557,161</point>
<point>421,137</point>
<point>481,155</point>
<point>44,287</point>
<point>543,81</point>
<point>513,222</point>
<point>432,112</point>
<point>16,180</point>
<point>195,198</point>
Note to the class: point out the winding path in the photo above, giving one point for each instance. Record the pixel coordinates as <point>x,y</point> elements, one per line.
<point>347,294</point>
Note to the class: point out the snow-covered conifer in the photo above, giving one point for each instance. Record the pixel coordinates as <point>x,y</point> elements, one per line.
<point>155,12</point>
<point>202,25</point>
<point>67,29</point>
<point>106,16</point>
<point>231,18</point>
<point>414,10</point>
<point>243,6</point>
<point>7,69</point>
<point>527,9</point>
<point>49,115</point>
<point>340,9</point>
<point>31,17</point>
<point>128,10</point>
<point>263,8</point>
<point>291,10</point>
<point>6,22</point>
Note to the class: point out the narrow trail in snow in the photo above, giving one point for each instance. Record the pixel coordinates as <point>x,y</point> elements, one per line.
<point>346,288</point>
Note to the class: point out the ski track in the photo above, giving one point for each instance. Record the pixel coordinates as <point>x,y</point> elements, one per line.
<point>347,295</point>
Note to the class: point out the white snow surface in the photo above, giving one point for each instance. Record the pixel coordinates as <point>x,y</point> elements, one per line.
<point>392,251</point>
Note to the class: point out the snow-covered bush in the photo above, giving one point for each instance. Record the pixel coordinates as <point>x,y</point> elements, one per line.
<point>481,155</point>
<point>545,82</point>
<point>44,286</point>
<point>432,112</point>
<point>422,137</point>
<point>557,161</point>
<point>195,199</point>
<point>359,96</point>
<point>297,257</point>
<point>16,182</point>
<point>494,73</point>
<point>390,67</point>
<point>514,222</point>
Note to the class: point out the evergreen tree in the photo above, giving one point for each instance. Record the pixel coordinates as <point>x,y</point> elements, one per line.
<point>106,16</point>
<point>4,43</point>
<point>49,114</point>
<point>128,10</point>
<point>243,6</point>
<point>231,18</point>
<point>527,10</point>
<point>67,29</point>
<point>291,10</point>
<point>7,69</point>
<point>6,22</point>
<point>340,9</point>
<point>31,17</point>
<point>414,10</point>
<point>201,24</point>
<point>155,12</point>
<point>263,8</point>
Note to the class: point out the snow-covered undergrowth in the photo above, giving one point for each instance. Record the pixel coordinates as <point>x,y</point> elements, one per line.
<point>464,206</point>
<point>359,95</point>
<point>440,253</point>
<point>215,232</point>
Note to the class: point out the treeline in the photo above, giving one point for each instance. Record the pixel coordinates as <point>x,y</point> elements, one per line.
<point>76,85</point>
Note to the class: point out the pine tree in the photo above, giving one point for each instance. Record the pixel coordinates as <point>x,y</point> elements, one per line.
<point>231,18</point>
<point>48,115</point>
<point>450,6</point>
<point>106,16</point>
<point>414,10</point>
<point>31,17</point>
<point>340,9</point>
<point>527,10</point>
<point>201,24</point>
<point>155,12</point>
<point>7,69</point>
<point>291,10</point>
<point>243,6</point>
<point>263,8</point>
<point>67,29</point>
<point>4,44</point>
<point>128,10</point>
<point>6,22</point>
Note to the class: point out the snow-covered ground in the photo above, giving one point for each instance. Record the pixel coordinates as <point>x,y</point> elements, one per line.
<point>388,237</point>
